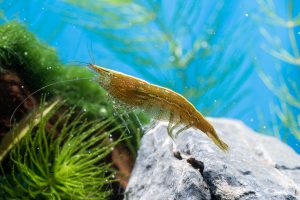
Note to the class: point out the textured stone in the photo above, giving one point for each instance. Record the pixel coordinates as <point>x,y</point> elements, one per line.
<point>256,167</point>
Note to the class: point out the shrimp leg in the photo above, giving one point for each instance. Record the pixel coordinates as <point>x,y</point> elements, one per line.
<point>183,129</point>
<point>172,125</point>
<point>175,126</point>
<point>155,121</point>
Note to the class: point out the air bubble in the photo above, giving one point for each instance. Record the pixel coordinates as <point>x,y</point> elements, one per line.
<point>246,14</point>
<point>25,53</point>
<point>204,44</point>
<point>103,111</point>
<point>171,58</point>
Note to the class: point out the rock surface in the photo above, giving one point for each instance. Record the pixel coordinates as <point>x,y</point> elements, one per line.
<point>256,167</point>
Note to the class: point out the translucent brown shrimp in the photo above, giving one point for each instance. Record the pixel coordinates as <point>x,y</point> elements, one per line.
<point>167,104</point>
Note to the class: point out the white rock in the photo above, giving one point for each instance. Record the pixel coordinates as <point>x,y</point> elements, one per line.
<point>256,167</point>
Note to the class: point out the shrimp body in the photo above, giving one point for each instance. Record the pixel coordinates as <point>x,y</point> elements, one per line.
<point>171,106</point>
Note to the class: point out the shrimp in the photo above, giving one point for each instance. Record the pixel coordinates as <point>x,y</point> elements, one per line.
<point>169,105</point>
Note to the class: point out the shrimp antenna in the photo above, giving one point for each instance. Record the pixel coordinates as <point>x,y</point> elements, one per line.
<point>51,84</point>
<point>91,52</point>
<point>78,62</point>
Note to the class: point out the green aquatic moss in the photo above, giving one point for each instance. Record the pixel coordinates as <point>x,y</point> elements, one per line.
<point>64,161</point>
<point>22,53</point>
<point>38,66</point>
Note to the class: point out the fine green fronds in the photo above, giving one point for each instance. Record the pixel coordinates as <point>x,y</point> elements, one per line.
<point>133,129</point>
<point>60,160</point>
<point>12,138</point>
<point>286,88</point>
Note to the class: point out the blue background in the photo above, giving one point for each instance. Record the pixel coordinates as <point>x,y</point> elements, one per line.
<point>47,20</point>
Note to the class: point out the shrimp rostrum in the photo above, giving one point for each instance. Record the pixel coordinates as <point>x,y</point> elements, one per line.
<point>169,105</point>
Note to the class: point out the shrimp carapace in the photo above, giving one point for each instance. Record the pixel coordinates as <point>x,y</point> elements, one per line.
<point>168,104</point>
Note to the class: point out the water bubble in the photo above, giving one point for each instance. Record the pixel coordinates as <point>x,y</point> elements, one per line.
<point>22,86</point>
<point>69,144</point>
<point>204,44</point>
<point>84,110</point>
<point>43,8</point>
<point>103,111</point>
<point>246,14</point>
<point>38,148</point>
<point>171,58</point>
<point>251,120</point>
<point>24,19</point>
<point>25,53</point>
<point>299,33</point>
<point>264,127</point>
<point>215,100</point>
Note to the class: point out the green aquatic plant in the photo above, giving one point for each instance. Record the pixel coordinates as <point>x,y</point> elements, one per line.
<point>189,47</point>
<point>38,66</point>
<point>61,157</point>
<point>286,88</point>
<point>13,137</point>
